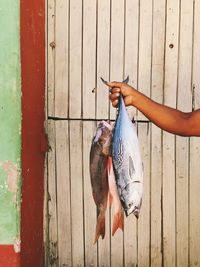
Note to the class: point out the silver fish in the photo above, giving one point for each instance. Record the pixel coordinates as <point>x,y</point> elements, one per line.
<point>127,162</point>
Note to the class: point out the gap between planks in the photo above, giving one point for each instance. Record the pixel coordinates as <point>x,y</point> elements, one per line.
<point>87,119</point>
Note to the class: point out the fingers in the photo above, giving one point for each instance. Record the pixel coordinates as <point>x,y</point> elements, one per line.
<point>114,84</point>
<point>115,90</point>
<point>115,103</point>
<point>114,98</point>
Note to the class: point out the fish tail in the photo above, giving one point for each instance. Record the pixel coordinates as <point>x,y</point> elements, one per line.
<point>100,227</point>
<point>118,221</point>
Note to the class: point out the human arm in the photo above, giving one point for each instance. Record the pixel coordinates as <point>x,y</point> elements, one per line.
<point>167,118</point>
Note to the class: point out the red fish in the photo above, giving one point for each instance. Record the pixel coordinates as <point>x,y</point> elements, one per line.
<point>118,220</point>
<point>99,152</point>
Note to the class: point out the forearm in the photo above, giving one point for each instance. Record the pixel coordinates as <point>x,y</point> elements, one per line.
<point>168,119</point>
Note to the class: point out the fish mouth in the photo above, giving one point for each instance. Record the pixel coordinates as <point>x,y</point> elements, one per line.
<point>133,210</point>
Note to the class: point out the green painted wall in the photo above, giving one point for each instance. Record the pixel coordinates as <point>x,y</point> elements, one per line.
<point>10,122</point>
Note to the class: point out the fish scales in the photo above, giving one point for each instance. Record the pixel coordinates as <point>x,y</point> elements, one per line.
<point>99,152</point>
<point>127,162</point>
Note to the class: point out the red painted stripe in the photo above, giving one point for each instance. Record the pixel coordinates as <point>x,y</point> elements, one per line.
<point>8,257</point>
<point>33,99</point>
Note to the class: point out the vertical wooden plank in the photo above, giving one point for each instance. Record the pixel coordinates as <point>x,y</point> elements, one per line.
<point>76,193</point>
<point>75,61</point>
<point>89,205</point>
<point>89,58</point>
<point>156,134</point>
<point>144,218</point>
<point>63,194</point>
<point>61,58</point>
<point>104,245</point>
<point>184,103</point>
<point>194,185</point>
<point>196,54</point>
<point>103,49</point>
<point>131,45</point>
<point>170,88</point>
<point>156,187</point>
<point>52,203</point>
<point>169,224</point>
<point>171,52</point>
<point>194,203</point>
<point>130,241</point>
<point>51,57</point>
<point>117,45</point>
<point>182,201</point>
<point>145,49</point>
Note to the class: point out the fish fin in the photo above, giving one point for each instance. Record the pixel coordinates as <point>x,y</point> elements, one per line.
<point>110,199</point>
<point>109,169</point>
<point>105,82</point>
<point>109,164</point>
<point>126,80</point>
<point>118,221</point>
<point>95,198</point>
<point>100,227</point>
<point>131,167</point>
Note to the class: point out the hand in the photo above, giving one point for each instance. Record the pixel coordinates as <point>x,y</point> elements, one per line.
<point>128,92</point>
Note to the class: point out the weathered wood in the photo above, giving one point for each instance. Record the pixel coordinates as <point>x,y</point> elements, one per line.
<point>194,216</point>
<point>52,200</point>
<point>144,217</point>
<point>182,200</point>
<point>103,56</point>
<point>194,182</point>
<point>61,58</point>
<point>90,218</point>
<point>63,194</point>
<point>130,241</point>
<point>145,49</point>
<point>77,207</point>
<point>156,134</point>
<point>196,55</point>
<point>75,60</point>
<point>143,39</point>
<point>156,191</point>
<point>170,91</point>
<point>117,45</point>
<point>51,57</point>
<point>89,58</point>
<point>168,199</point>
<point>131,45</point>
<point>184,103</point>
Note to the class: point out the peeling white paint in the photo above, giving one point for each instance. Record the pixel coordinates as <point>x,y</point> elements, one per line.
<point>12,176</point>
<point>17,245</point>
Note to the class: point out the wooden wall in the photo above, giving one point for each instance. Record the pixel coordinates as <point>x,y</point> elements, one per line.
<point>156,43</point>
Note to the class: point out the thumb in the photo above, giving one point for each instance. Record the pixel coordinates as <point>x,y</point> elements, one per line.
<point>115,84</point>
